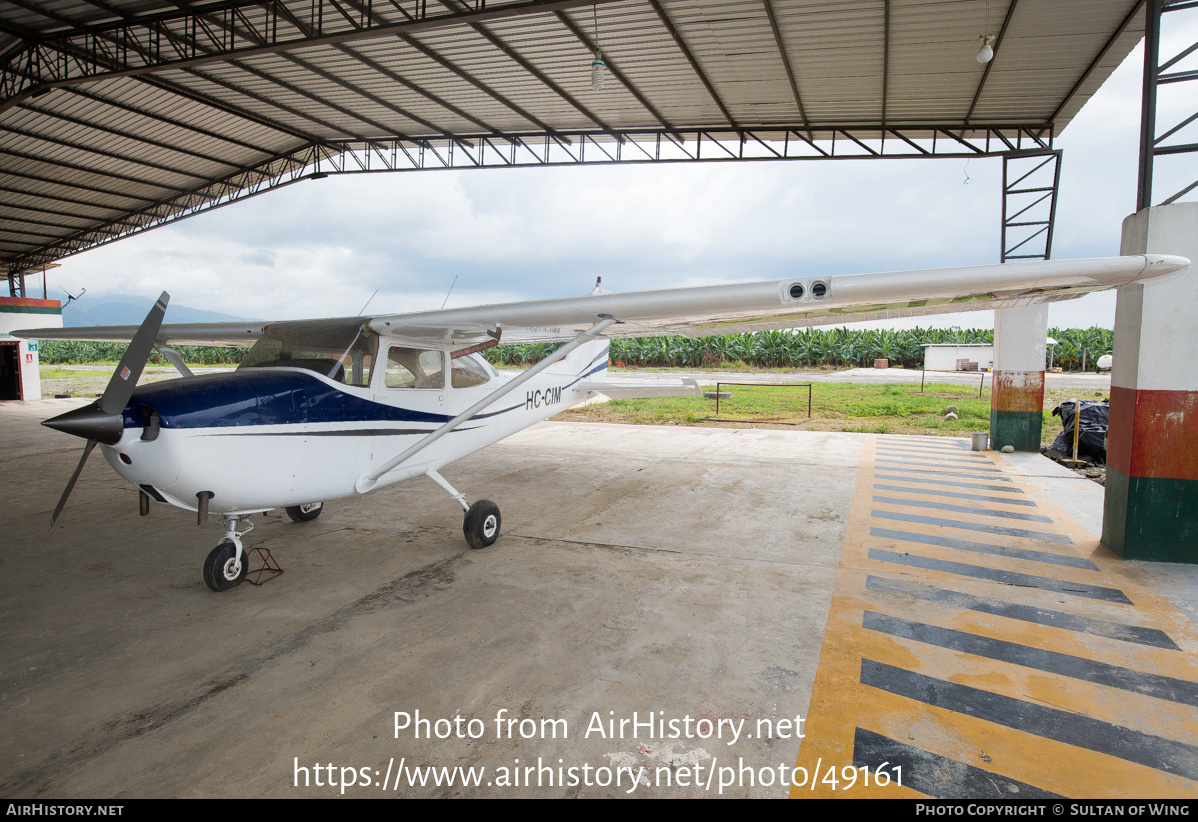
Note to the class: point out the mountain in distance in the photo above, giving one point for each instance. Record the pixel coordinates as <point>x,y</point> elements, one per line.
<point>125,309</point>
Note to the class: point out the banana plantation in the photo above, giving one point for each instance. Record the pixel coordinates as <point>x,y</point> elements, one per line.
<point>804,348</point>
<point>75,352</point>
<point>811,348</point>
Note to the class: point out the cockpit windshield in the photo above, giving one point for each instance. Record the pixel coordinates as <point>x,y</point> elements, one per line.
<point>342,350</point>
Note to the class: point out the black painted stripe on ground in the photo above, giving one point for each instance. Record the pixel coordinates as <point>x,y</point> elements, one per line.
<point>1025,554</point>
<point>905,463</point>
<point>935,775</point>
<point>1010,489</point>
<point>956,495</point>
<point>927,442</point>
<point>938,453</point>
<point>1003,577</point>
<point>942,456</point>
<point>1080,731</point>
<point>963,509</point>
<point>1044,536</point>
<point>1026,613</point>
<point>962,474</point>
<point>1075,667</point>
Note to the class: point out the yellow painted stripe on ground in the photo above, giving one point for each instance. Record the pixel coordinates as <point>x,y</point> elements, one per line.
<point>841,704</point>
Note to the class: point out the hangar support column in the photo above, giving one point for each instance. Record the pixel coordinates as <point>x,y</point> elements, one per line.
<point>1151,508</point>
<point>1017,396</point>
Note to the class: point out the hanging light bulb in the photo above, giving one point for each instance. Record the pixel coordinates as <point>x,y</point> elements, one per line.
<point>986,52</point>
<point>597,68</point>
<point>597,65</point>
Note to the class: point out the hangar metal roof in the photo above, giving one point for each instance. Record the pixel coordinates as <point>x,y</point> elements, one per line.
<point>120,115</point>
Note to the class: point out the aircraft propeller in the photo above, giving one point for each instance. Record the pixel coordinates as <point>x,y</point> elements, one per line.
<point>103,420</point>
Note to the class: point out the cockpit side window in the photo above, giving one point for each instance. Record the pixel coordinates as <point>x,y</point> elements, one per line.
<point>414,368</point>
<point>343,351</point>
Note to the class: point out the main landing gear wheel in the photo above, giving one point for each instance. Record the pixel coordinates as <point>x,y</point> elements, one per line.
<point>306,512</point>
<point>481,526</point>
<point>222,571</point>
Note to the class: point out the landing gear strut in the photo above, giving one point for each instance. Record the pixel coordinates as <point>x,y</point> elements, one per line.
<point>481,526</point>
<point>226,565</point>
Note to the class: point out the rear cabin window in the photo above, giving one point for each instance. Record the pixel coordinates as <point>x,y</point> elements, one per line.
<point>468,372</point>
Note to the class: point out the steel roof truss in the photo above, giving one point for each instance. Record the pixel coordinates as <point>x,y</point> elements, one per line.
<point>187,39</point>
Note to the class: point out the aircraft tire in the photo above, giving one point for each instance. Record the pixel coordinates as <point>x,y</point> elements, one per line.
<point>306,512</point>
<point>218,567</point>
<point>481,525</point>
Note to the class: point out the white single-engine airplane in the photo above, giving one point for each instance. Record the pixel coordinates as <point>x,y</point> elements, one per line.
<point>320,410</point>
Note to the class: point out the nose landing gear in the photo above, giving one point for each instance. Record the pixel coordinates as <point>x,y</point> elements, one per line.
<point>227,563</point>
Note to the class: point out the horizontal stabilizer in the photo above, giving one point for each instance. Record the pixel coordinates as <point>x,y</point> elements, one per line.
<point>632,390</point>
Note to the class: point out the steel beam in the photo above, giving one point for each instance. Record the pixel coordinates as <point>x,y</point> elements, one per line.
<point>790,74</point>
<point>694,63</point>
<point>540,149</point>
<point>1029,203</point>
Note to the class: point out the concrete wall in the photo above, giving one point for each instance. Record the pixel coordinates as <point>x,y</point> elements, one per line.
<point>17,313</point>
<point>1151,507</point>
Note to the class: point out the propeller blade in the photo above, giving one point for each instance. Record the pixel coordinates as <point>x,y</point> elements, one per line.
<point>124,379</point>
<point>66,492</point>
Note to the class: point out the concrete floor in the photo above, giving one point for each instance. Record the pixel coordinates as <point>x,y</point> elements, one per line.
<point>679,572</point>
<point>683,573</point>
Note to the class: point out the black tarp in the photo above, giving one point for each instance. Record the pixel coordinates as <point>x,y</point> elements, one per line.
<point>1092,440</point>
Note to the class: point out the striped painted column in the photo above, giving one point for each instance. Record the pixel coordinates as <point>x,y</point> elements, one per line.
<point>1017,396</point>
<point>1151,508</point>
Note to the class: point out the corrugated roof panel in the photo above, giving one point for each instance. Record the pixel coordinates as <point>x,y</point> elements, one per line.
<point>124,143</point>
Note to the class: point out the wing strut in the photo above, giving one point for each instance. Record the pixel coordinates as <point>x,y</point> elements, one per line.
<point>368,481</point>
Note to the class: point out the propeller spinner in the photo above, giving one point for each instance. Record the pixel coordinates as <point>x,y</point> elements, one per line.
<point>103,420</point>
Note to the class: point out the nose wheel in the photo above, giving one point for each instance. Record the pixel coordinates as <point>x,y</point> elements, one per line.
<point>227,563</point>
<point>225,567</point>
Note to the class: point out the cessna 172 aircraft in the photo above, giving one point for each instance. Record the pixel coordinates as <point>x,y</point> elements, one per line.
<point>320,410</point>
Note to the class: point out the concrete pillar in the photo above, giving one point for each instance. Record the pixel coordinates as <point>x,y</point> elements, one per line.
<point>1151,508</point>
<point>1017,396</point>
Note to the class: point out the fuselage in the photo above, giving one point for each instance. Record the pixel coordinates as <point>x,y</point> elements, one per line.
<point>280,435</point>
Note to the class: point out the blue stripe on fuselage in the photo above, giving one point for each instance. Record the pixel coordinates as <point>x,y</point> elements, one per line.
<point>264,396</point>
<point>260,397</point>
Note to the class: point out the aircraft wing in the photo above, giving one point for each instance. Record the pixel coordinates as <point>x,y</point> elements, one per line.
<point>718,309</point>
<point>231,335</point>
<point>788,303</point>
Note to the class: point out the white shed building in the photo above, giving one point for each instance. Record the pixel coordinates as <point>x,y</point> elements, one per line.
<point>944,356</point>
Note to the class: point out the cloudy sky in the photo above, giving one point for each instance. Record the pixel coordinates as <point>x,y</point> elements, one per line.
<point>321,248</point>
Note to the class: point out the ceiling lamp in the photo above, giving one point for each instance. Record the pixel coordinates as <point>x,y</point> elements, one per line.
<point>597,65</point>
<point>597,72</point>
<point>986,52</point>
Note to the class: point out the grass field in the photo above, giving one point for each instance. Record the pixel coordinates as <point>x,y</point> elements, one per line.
<point>871,409</point>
